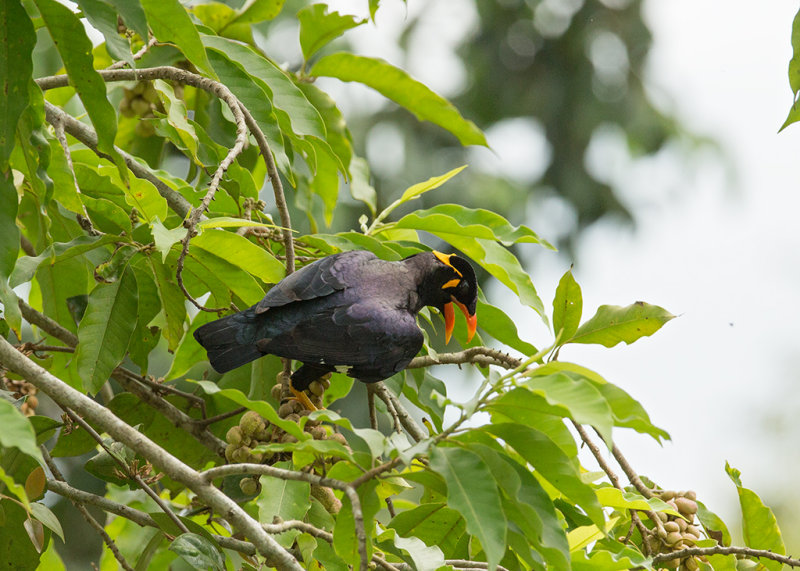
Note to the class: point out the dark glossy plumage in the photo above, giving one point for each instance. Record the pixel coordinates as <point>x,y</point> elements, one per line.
<point>350,312</point>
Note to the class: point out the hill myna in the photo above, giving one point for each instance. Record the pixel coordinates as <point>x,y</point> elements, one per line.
<point>351,312</point>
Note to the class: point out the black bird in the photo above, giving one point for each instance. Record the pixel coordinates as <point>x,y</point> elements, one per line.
<point>350,312</point>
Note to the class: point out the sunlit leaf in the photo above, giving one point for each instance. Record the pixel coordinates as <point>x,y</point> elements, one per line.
<point>42,513</point>
<point>171,23</point>
<point>613,324</point>
<point>17,431</point>
<point>319,27</point>
<point>258,11</point>
<point>567,307</point>
<point>397,85</point>
<point>241,252</point>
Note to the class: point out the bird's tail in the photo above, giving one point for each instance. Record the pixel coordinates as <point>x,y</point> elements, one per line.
<point>230,341</point>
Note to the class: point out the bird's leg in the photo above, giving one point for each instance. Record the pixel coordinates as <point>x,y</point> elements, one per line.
<point>303,398</point>
<point>305,378</point>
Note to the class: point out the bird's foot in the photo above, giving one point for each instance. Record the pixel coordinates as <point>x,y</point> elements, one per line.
<point>302,397</point>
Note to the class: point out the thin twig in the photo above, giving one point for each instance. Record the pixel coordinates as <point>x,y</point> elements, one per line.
<point>136,516</point>
<point>482,356</point>
<point>374,472</point>
<point>373,414</point>
<point>220,417</point>
<point>414,429</point>
<point>137,56</point>
<point>631,474</point>
<point>112,546</point>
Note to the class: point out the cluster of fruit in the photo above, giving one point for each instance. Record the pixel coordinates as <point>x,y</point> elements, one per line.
<point>677,532</point>
<point>20,389</point>
<point>142,101</point>
<point>254,430</point>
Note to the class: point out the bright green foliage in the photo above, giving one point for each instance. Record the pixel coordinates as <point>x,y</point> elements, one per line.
<point>111,255</point>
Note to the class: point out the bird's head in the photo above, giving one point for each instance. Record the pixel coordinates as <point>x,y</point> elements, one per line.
<point>454,282</point>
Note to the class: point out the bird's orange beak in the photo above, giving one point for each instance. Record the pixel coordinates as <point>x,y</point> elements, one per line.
<point>450,321</point>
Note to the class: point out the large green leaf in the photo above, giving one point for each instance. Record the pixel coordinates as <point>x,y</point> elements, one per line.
<point>471,222</point>
<point>613,324</point>
<point>242,253</point>
<point>759,525</point>
<point>171,24</point>
<point>567,307</point>
<point>561,470</point>
<point>17,39</point>
<point>319,27</point>
<point>105,330</point>
<point>472,491</point>
<point>75,49</point>
<point>434,523</point>
<point>397,85</point>
<point>140,194</point>
<point>173,302</point>
<point>561,395</point>
<point>499,325</point>
<point>58,252</point>
<point>303,118</point>
<point>104,18</point>
<point>17,430</point>
<point>285,499</point>
<point>220,276</point>
<point>198,552</point>
<point>627,411</point>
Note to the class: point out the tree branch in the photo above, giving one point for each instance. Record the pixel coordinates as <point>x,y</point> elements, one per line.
<point>722,550</point>
<point>483,356</point>
<point>414,429</point>
<point>66,396</point>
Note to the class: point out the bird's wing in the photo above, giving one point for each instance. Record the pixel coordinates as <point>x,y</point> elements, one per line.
<point>372,339</point>
<point>315,280</point>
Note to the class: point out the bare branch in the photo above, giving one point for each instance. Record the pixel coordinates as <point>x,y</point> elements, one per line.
<point>66,396</point>
<point>136,516</point>
<point>483,356</point>
<point>722,550</point>
<point>414,429</point>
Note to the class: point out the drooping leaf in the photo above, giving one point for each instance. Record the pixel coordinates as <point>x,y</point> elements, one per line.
<point>198,552</point>
<point>104,18</point>
<point>567,307</point>
<point>759,525</point>
<point>17,431</point>
<point>75,49</point>
<point>397,85</point>
<point>17,39</point>
<point>132,14</point>
<point>613,324</point>
<point>551,462</point>
<point>105,330</point>
<point>318,27</point>
<point>42,513</point>
<point>472,491</point>
<point>171,23</point>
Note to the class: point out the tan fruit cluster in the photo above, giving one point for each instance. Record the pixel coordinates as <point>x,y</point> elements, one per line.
<point>678,533</point>
<point>142,101</point>
<point>21,389</point>
<point>254,430</point>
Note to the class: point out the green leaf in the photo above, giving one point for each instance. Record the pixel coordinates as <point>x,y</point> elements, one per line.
<point>220,276</point>
<point>9,236</point>
<point>17,431</point>
<point>759,525</point>
<point>627,411</point>
<point>17,38</point>
<point>173,302</point>
<point>319,27</point>
<point>397,85</point>
<point>75,49</point>
<point>612,324</point>
<point>561,470</point>
<point>171,24</point>
<point>714,525</point>
<point>562,396</point>
<point>421,555</point>
<point>286,499</point>
<point>567,307</point>
<point>164,238</point>
<point>132,14</point>
<point>105,330</point>
<point>615,498</point>
<point>472,491</point>
<point>434,523</point>
<point>302,118</point>
<point>16,549</point>
<point>500,326</point>
<point>140,194</point>
<point>48,518</point>
<point>360,187</point>
<point>242,253</point>
<point>258,11</point>
<point>471,222</point>
<point>198,552</point>
<point>230,222</point>
<point>104,18</point>
<point>58,252</point>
